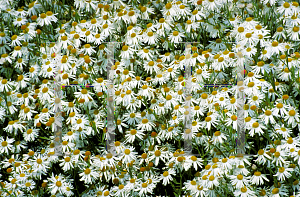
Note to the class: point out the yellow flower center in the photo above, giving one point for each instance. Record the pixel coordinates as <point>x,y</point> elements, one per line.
<point>239,177</point>
<point>204,96</point>
<point>133,132</point>
<point>295,29</point>
<point>244,189</point>
<point>125,48</point>
<point>58,183</point>
<point>157,153</point>
<point>168,6</point>
<point>39,161</point>
<point>4,143</point>
<point>127,151</point>
<point>255,125</point>
<point>250,84</point>
<point>275,44</point>
<point>290,140</point>
<point>29,131</point>
<point>292,112</point>
<point>168,97</point>
<point>87,171</point>
<point>277,154</point>
<point>248,35</point>
<point>286,5</point>
<point>208,119</point>
<point>43,15</point>
<point>166,173</point>
<point>211,178</point>
<point>268,112</point>
<point>67,159</point>
<point>131,13</point>
<point>257,173</point>
<point>175,33</point>
<point>241,29</point>
<point>217,133</point>
<point>233,117</point>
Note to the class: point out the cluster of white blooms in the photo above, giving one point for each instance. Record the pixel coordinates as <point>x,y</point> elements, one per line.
<point>150,61</point>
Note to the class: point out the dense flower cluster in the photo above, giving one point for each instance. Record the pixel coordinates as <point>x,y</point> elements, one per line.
<point>149,97</point>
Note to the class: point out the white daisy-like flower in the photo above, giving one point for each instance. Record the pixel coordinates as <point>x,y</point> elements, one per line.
<point>57,184</point>
<point>16,40</point>
<point>283,173</point>
<point>84,94</point>
<point>275,47</point>
<point>145,188</point>
<point>133,40</point>
<point>88,49</point>
<point>128,154</point>
<point>26,113</point>
<point>252,88</point>
<point>280,108</point>
<point>150,37</point>
<point>127,52</point>
<point>67,146</point>
<point>244,192</point>
<point>258,178</point>
<point>285,9</point>
<point>29,185</point>
<point>120,124</point>
<point>183,10</point>
<point>132,117</point>
<point>262,157</point>
<point>40,165</point>
<point>6,145</point>
<point>19,21</point>
<point>107,29</point>
<point>30,134</point>
<point>166,177</point>
<point>80,123</point>
<point>134,104</point>
<point>70,136</point>
<point>285,132</point>
<point>151,67</point>
<point>279,157</point>
<point>256,99</point>
<point>133,134</point>
<point>169,10</point>
<point>131,17</point>
<point>290,144</point>
<point>268,117</point>
<point>5,85</point>
<point>14,127</point>
<point>89,175</point>
<point>212,5</point>
<point>43,20</point>
<point>219,137</point>
<point>293,33</point>
<point>17,53</point>
<point>120,190</point>
<point>239,181</point>
<point>210,121</point>
<point>147,92</point>
<point>146,124</point>
<point>145,11</point>
<point>292,117</point>
<point>257,128</point>
<point>176,37</point>
<point>158,155</point>
<point>195,162</point>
